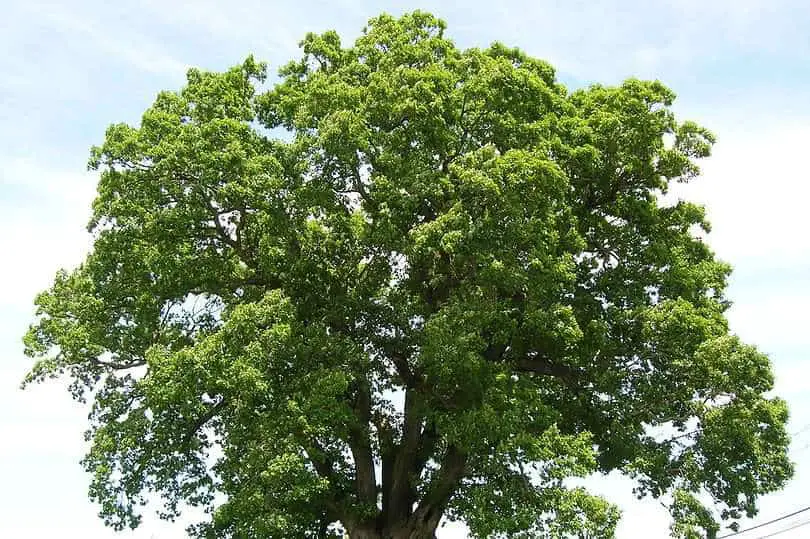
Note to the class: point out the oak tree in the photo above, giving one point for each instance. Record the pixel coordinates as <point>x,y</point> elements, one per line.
<point>407,282</point>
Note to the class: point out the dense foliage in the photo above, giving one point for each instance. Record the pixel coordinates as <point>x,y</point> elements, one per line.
<point>407,282</point>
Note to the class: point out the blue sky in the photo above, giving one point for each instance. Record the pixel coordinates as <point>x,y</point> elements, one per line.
<point>69,69</point>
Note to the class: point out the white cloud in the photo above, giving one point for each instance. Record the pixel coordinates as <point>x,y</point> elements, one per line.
<point>124,44</point>
<point>248,23</point>
<point>774,323</point>
<point>756,187</point>
<point>43,213</point>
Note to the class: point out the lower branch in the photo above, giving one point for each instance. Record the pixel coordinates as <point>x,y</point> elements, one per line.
<point>425,519</point>
<point>545,367</point>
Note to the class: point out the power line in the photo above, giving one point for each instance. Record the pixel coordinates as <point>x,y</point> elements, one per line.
<point>795,434</point>
<point>802,448</point>
<point>766,523</point>
<point>799,525</point>
<point>801,430</point>
<point>783,517</point>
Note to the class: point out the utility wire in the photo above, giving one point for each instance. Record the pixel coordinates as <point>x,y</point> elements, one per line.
<point>780,532</point>
<point>766,523</point>
<point>783,517</point>
<point>802,448</point>
<point>801,430</point>
<point>795,434</point>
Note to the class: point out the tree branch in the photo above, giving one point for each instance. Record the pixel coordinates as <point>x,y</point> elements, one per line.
<point>399,494</point>
<point>545,367</point>
<point>223,234</point>
<point>360,445</point>
<point>207,416</point>
<point>118,366</point>
<point>404,370</point>
<point>326,469</point>
<point>427,445</point>
<point>531,363</point>
<point>430,510</point>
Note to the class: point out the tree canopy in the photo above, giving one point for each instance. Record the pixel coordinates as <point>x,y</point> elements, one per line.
<point>407,282</point>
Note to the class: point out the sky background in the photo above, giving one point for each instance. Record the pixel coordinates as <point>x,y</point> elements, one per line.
<point>68,69</point>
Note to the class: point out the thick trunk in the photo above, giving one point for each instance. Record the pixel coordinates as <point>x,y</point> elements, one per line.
<point>400,521</point>
<point>365,534</point>
<point>426,530</point>
<point>422,524</point>
<point>413,534</point>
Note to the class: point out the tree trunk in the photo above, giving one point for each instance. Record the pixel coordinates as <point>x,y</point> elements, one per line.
<point>365,534</point>
<point>422,530</point>
<point>397,534</point>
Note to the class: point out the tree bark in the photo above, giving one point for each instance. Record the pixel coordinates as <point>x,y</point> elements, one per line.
<point>360,445</point>
<point>426,530</point>
<point>399,495</point>
<point>365,534</point>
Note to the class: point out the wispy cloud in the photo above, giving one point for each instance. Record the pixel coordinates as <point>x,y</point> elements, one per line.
<point>756,188</point>
<point>99,38</point>
<point>42,212</point>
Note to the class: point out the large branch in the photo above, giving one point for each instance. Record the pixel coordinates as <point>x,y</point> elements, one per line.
<point>360,445</point>
<point>531,363</point>
<point>409,379</point>
<point>118,366</point>
<point>543,366</point>
<point>427,446</point>
<point>222,232</point>
<point>385,433</point>
<point>320,460</point>
<point>201,421</point>
<point>399,491</point>
<point>325,468</point>
<point>429,512</point>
